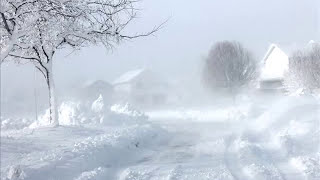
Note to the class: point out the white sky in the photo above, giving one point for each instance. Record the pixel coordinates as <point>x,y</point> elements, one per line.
<point>179,48</point>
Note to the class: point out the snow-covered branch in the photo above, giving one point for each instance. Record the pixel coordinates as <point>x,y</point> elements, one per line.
<point>304,70</point>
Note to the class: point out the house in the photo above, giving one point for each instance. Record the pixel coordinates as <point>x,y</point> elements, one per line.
<point>275,66</point>
<point>92,90</point>
<point>141,87</point>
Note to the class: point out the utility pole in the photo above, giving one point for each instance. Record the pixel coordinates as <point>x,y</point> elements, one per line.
<point>317,21</point>
<point>35,94</point>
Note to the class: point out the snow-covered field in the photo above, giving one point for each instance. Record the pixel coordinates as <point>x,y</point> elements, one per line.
<point>273,139</point>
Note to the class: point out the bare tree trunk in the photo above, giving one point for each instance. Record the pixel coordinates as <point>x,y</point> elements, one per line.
<point>52,98</point>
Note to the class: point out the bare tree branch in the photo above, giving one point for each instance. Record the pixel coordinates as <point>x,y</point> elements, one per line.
<point>6,26</point>
<point>304,70</point>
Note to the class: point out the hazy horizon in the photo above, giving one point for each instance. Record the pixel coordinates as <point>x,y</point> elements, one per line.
<point>180,46</point>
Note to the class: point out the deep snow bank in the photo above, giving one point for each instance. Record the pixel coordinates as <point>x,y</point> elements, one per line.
<point>274,138</point>
<point>68,152</point>
<point>282,143</point>
<point>94,141</point>
<point>77,113</point>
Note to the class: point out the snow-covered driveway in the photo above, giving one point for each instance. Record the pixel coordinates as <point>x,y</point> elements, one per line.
<point>189,155</point>
<point>279,143</point>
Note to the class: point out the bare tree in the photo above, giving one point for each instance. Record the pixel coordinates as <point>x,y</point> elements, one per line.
<point>229,66</point>
<point>49,25</point>
<point>304,70</point>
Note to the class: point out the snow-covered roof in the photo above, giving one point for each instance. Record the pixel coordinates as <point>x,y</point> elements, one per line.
<point>312,43</point>
<point>128,76</point>
<point>96,83</point>
<point>276,64</point>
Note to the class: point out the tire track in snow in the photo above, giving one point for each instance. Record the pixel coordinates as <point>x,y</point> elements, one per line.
<point>181,159</point>
<point>231,160</point>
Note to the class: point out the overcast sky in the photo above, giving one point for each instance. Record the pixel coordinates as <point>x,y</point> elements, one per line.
<point>178,49</point>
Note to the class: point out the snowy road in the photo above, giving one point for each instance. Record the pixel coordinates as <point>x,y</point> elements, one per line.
<point>196,151</point>
<point>249,143</point>
<point>189,155</point>
<point>221,149</point>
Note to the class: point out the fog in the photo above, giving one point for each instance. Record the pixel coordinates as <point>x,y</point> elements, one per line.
<point>178,49</point>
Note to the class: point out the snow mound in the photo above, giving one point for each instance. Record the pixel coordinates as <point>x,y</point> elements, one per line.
<point>258,171</point>
<point>98,105</point>
<point>292,125</point>
<point>125,114</point>
<point>309,166</point>
<point>91,175</point>
<point>75,114</point>
<point>126,109</point>
<point>176,172</point>
<point>15,173</point>
<point>15,123</point>
<point>98,150</point>
<point>70,114</point>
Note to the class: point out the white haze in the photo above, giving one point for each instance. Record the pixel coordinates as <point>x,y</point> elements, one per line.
<point>177,50</point>
<point>165,124</point>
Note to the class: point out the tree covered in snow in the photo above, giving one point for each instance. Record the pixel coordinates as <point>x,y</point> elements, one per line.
<point>34,30</point>
<point>229,66</point>
<point>17,19</point>
<point>304,70</point>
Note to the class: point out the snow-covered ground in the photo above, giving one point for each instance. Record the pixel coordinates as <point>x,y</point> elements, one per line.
<point>269,139</point>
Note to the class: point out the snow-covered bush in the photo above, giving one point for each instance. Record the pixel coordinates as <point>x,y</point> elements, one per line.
<point>15,123</point>
<point>98,105</point>
<point>304,71</point>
